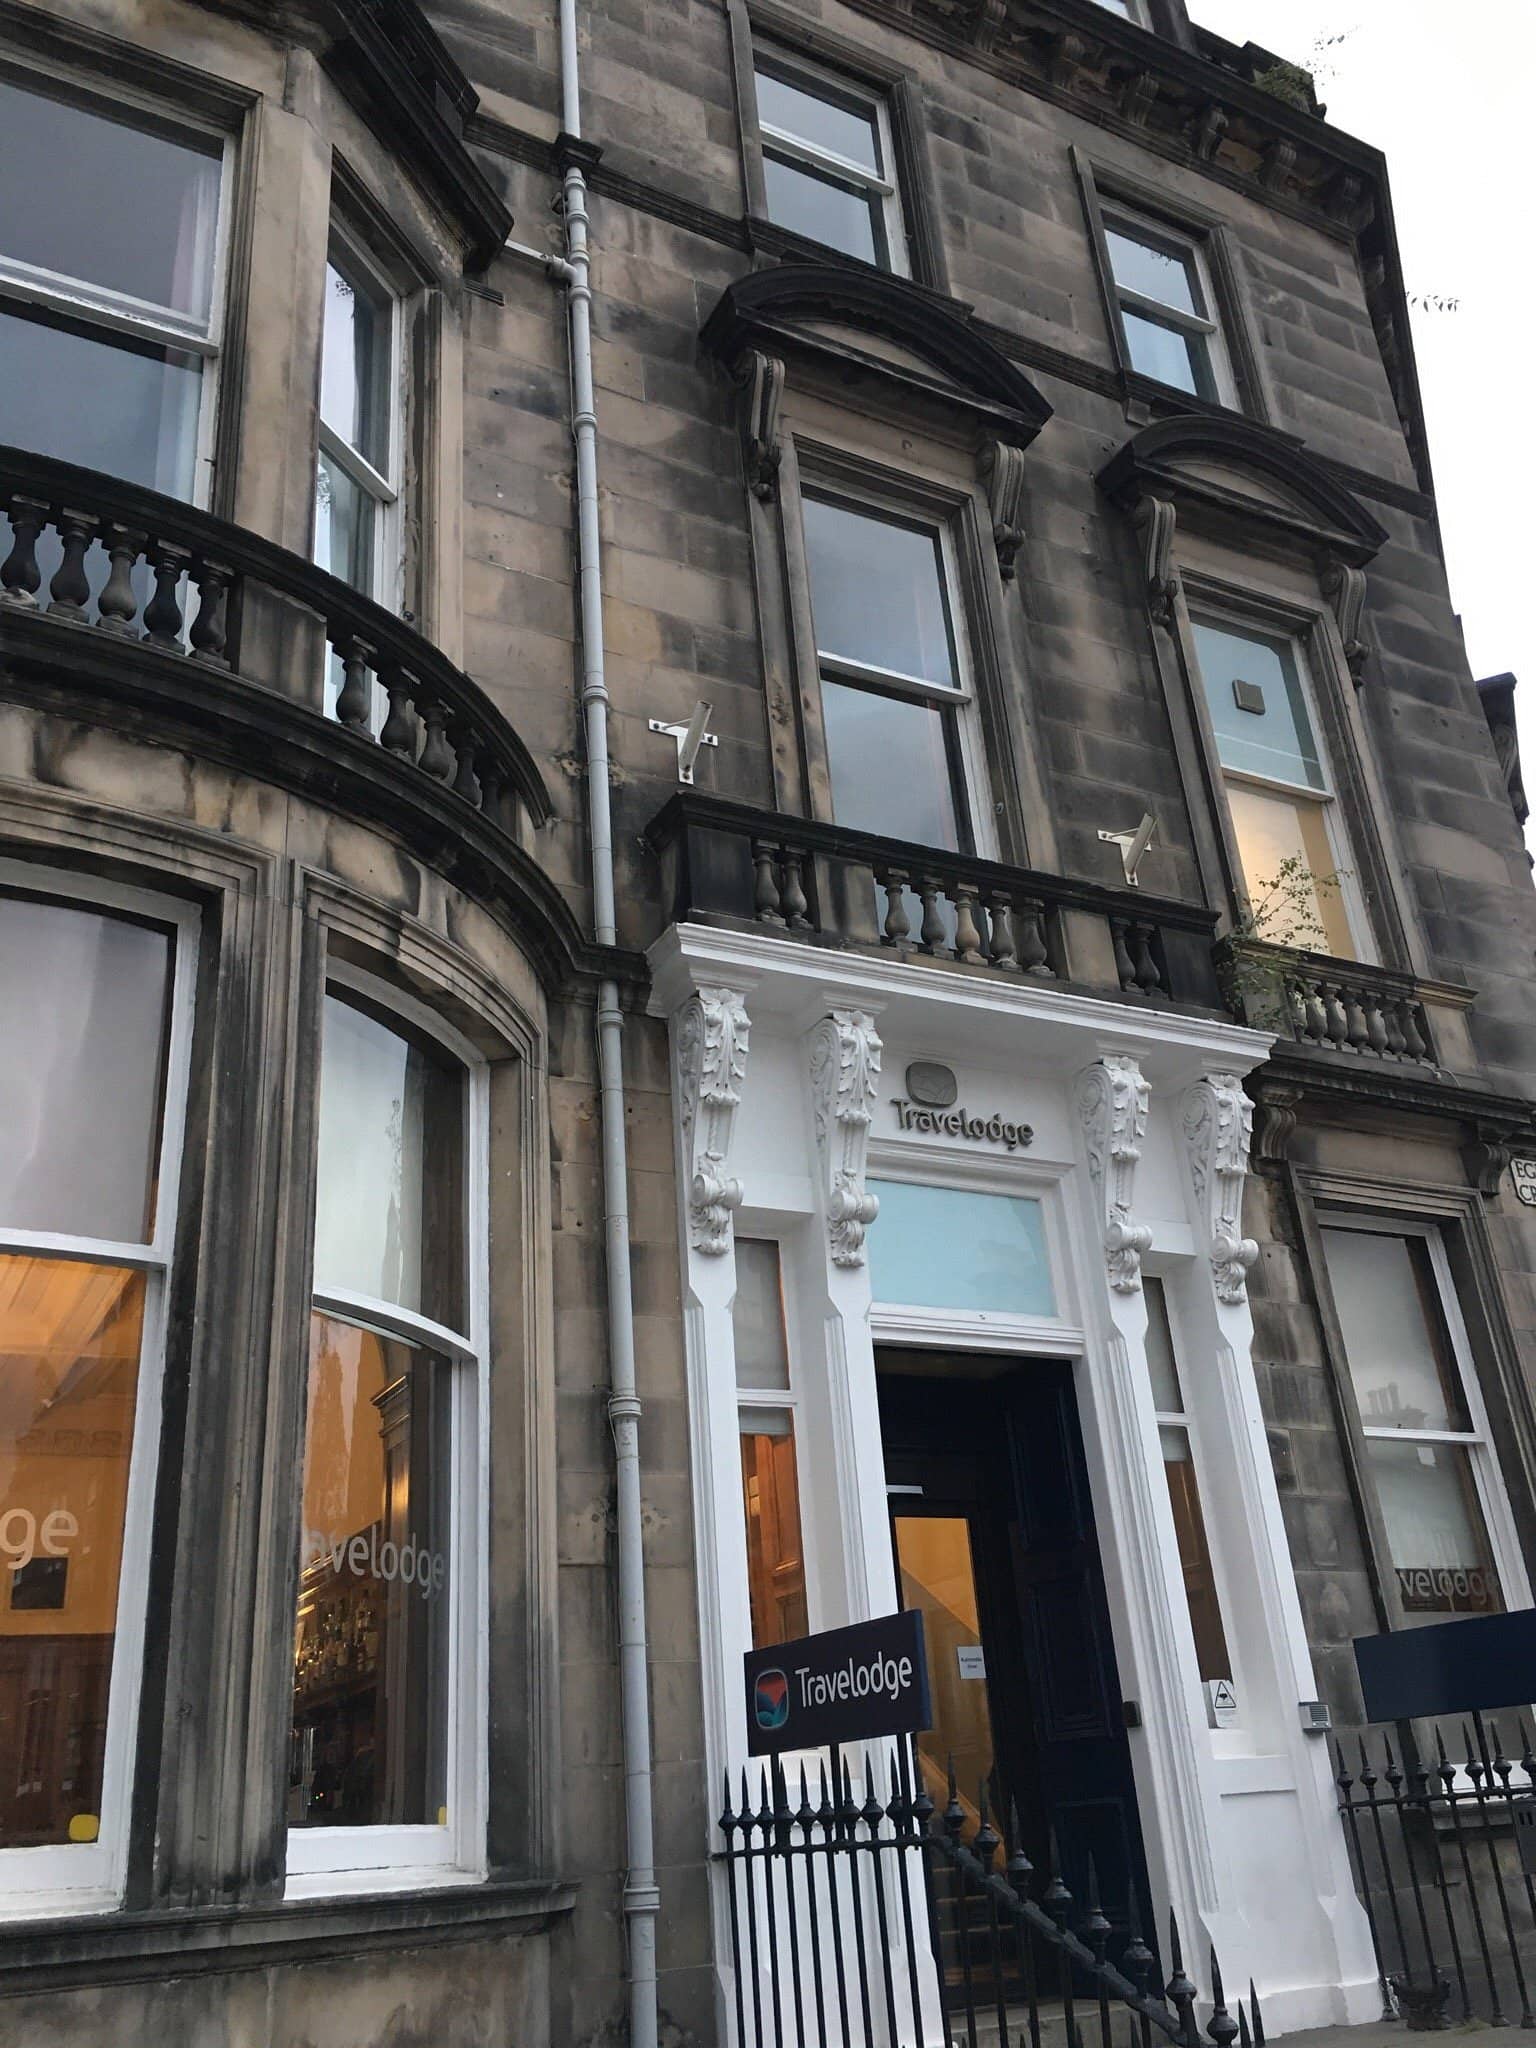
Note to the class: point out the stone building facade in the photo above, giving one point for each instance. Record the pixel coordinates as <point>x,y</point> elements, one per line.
<point>1004,421</point>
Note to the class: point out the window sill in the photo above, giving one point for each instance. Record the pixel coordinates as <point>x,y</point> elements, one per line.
<point>114,1947</point>
<point>387,1882</point>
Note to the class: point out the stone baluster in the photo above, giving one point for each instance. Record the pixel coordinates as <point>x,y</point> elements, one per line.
<point>897,928</point>
<point>465,782</point>
<point>1375,1024</point>
<point>1317,1015</point>
<point>1391,1015</point>
<point>967,936</point>
<point>931,934</point>
<point>1004,949</point>
<point>400,727</point>
<point>765,889</point>
<point>20,574</point>
<point>1354,1015</point>
<point>1148,979</point>
<point>354,706</point>
<point>70,589</point>
<point>796,905</point>
<point>210,629</point>
<point>1034,955</point>
<point>436,755</point>
<point>492,795</point>
<point>1119,932</point>
<point>1293,995</point>
<point>118,604</point>
<point>1335,1023</point>
<point>1413,1036</point>
<point>162,615</point>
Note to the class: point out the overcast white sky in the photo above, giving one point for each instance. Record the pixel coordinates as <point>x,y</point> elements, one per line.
<point>1446,93</point>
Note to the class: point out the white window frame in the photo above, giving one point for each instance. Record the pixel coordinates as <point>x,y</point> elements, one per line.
<point>960,697</point>
<point>88,1877</point>
<point>1351,898</point>
<point>778,1401</point>
<point>386,580</point>
<point>117,313</point>
<point>818,82</point>
<point>1183,245</point>
<point>323,1861</point>
<point>1128,10</point>
<point>1487,1479</point>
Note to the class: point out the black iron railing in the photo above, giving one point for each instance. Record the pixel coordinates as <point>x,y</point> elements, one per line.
<point>1451,1910</point>
<point>809,880</point>
<point>876,1918</point>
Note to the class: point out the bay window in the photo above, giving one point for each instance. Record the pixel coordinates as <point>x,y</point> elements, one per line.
<point>769,1473</point>
<point>110,288</point>
<point>1428,1459</point>
<point>95,1012</point>
<point>383,1770</point>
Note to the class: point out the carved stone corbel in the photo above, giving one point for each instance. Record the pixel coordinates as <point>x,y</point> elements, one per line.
<point>1279,162</point>
<point>761,378</point>
<point>1344,588</point>
<point>1218,1123</point>
<point>1156,522</point>
<point>991,18</point>
<point>1139,95</point>
<point>1002,469</point>
<point>1207,129</point>
<point>712,1032</point>
<point>1277,1111</point>
<point>1067,53</point>
<point>1486,1153</point>
<point>845,1065</point>
<point>1112,1102</point>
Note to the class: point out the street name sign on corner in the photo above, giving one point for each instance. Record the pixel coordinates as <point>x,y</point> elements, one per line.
<point>844,1685</point>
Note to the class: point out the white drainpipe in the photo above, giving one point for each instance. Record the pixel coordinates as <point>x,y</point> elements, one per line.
<point>642,1899</point>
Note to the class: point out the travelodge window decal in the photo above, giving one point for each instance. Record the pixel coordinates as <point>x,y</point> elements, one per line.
<point>935,1247</point>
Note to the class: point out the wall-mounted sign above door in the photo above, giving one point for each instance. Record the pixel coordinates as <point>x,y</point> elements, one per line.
<point>960,1123</point>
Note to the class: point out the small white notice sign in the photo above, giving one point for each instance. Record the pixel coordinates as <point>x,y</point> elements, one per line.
<point>1220,1702</point>
<point>972,1660</point>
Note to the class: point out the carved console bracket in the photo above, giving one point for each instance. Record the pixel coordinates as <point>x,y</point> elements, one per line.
<point>1003,468</point>
<point>1344,588</point>
<point>1156,521</point>
<point>761,378</point>
<point>712,1032</point>
<point>1218,1123</point>
<point>845,1067</point>
<point>1112,1102</point>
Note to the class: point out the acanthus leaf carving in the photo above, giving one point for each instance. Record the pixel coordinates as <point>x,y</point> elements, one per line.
<point>1218,1127</point>
<point>1344,588</point>
<point>1002,467</point>
<point>1156,522</point>
<point>711,1039</point>
<point>845,1068</point>
<point>1112,1099</point>
<point>761,377</point>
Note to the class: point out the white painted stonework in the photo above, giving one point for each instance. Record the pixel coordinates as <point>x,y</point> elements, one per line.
<point>1138,1155</point>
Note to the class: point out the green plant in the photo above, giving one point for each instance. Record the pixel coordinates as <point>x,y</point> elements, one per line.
<point>1282,920</point>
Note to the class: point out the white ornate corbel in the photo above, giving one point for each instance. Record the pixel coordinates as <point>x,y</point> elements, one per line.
<point>712,1032</point>
<point>1002,467</point>
<point>1218,1124</point>
<point>845,1066</point>
<point>1344,588</point>
<point>1112,1102</point>
<point>1156,521</point>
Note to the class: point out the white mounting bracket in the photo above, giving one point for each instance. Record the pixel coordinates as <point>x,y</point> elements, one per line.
<point>689,737</point>
<point>1132,846</point>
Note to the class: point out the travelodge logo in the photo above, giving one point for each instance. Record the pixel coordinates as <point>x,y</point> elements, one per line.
<point>770,1701</point>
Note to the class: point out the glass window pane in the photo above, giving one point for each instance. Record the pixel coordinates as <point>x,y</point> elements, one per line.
<point>824,210</point>
<point>1170,355</point>
<point>775,1562</point>
<point>1435,1531</point>
<point>389,1208</point>
<point>354,365</point>
<point>1400,1359</point>
<point>1275,739</point>
<point>1162,1366</point>
<point>141,421</point>
<point>757,1317</point>
<point>371,1676</point>
<point>1141,266</point>
<point>890,766</point>
<point>811,117</point>
<point>950,1248</point>
<point>1271,830</point>
<point>345,517</point>
<point>85,1010</point>
<point>938,1578</point>
<point>70,1335</point>
<point>877,593</point>
<point>127,209</point>
<point>1195,1555</point>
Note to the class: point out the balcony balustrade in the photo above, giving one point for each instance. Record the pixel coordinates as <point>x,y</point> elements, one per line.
<point>799,878</point>
<point>1342,1006</point>
<point>125,568</point>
